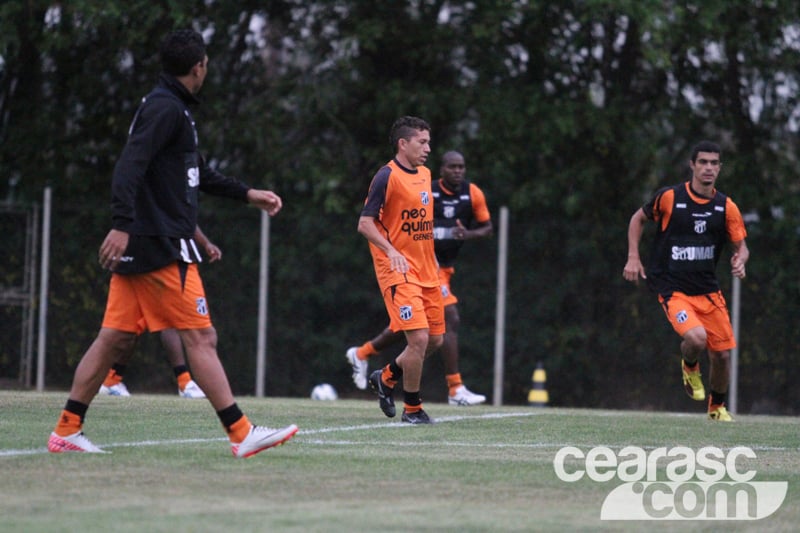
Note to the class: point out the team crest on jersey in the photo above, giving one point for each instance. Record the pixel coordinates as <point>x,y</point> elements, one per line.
<point>424,197</point>
<point>449,211</point>
<point>681,317</point>
<point>200,305</point>
<point>405,312</point>
<point>700,226</point>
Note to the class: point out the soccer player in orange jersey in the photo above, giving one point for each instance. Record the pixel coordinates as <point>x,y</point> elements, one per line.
<point>460,214</point>
<point>694,222</point>
<point>397,220</point>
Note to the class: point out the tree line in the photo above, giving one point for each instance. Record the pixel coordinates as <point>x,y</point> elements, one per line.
<point>570,113</point>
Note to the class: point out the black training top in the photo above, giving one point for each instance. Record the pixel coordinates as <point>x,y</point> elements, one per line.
<point>157,178</point>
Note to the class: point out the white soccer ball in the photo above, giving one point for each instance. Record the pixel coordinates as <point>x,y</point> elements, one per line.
<point>324,391</point>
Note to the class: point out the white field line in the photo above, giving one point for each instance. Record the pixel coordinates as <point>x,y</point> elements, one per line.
<point>303,433</point>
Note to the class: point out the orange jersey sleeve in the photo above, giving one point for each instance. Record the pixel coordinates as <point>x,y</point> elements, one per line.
<point>734,222</point>
<point>479,208</point>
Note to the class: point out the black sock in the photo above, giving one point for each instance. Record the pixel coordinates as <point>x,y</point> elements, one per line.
<point>688,364</point>
<point>180,369</point>
<point>718,398</point>
<point>119,369</point>
<point>411,398</point>
<point>77,408</point>
<point>395,369</point>
<point>230,415</point>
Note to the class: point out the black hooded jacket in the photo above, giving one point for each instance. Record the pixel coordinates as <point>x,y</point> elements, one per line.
<point>157,179</point>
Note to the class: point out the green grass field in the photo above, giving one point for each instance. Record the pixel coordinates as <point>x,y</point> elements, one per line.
<point>349,468</point>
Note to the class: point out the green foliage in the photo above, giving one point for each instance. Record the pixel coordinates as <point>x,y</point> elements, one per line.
<point>570,113</point>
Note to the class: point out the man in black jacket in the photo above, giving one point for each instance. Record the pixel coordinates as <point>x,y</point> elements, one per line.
<point>152,254</point>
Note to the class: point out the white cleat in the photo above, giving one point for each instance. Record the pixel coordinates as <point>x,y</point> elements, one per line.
<point>114,390</point>
<point>192,391</point>
<point>262,438</point>
<point>464,396</point>
<point>359,368</point>
<point>77,442</point>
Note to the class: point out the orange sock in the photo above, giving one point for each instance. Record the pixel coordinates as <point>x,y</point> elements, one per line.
<point>239,430</point>
<point>183,379</point>
<point>412,408</point>
<point>68,423</point>
<point>453,382</point>
<point>365,350</point>
<point>112,378</point>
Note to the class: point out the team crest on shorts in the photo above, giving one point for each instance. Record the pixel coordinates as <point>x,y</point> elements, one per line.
<point>202,308</point>
<point>681,317</point>
<point>405,312</point>
<point>445,292</point>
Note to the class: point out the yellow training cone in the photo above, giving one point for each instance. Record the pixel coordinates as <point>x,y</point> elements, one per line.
<point>538,397</point>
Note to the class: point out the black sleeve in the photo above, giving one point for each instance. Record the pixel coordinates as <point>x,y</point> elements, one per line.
<point>649,207</point>
<point>155,123</point>
<point>218,184</point>
<point>377,193</point>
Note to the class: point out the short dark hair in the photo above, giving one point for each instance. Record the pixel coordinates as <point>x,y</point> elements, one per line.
<point>705,146</point>
<point>181,50</point>
<point>405,128</point>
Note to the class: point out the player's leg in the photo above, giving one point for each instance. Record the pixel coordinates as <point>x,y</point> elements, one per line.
<point>184,308</point>
<point>457,392</point>
<point>187,388</point>
<point>113,384</point>
<point>682,314</point>
<point>413,412</point>
<point>357,355</point>
<point>720,343</point>
<point>115,339</point>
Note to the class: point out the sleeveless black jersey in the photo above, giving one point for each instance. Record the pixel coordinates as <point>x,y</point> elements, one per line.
<point>685,254</point>
<point>447,208</point>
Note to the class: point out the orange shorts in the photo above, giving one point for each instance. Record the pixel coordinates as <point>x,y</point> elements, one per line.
<point>413,307</point>
<point>157,300</point>
<point>445,273</point>
<point>706,310</point>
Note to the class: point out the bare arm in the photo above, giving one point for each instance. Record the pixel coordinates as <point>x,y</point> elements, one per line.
<point>634,268</point>
<point>482,230</point>
<point>739,258</point>
<point>366,227</point>
<point>212,250</point>
<point>266,200</point>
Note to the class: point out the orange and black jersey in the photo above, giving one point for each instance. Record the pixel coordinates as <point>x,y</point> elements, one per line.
<point>692,231</point>
<point>401,203</point>
<point>468,205</point>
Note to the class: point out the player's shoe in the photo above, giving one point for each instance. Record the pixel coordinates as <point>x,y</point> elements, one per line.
<point>384,393</point>
<point>416,417</point>
<point>719,413</point>
<point>77,442</point>
<point>114,390</point>
<point>464,396</point>
<point>192,391</point>
<point>359,368</point>
<point>262,438</point>
<point>693,383</point>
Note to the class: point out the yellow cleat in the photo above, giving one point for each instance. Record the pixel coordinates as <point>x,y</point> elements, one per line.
<point>719,413</point>
<point>693,383</point>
